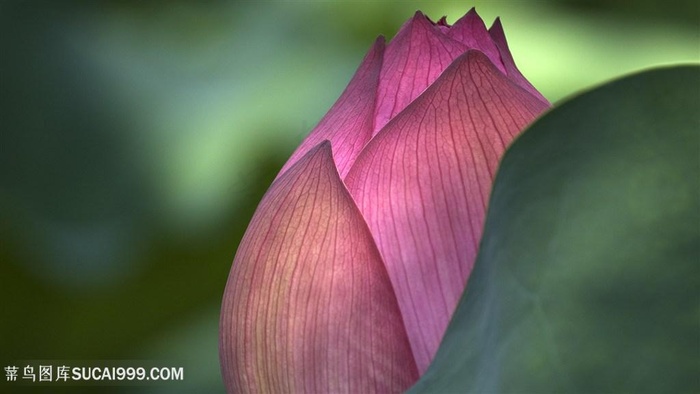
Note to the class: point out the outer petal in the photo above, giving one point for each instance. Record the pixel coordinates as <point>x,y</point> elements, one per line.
<point>423,182</point>
<point>499,37</point>
<point>416,56</point>
<point>308,305</point>
<point>349,123</point>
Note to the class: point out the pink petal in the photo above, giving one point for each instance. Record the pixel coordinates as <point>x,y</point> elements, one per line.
<point>416,56</point>
<point>442,24</point>
<point>499,37</point>
<point>471,31</point>
<point>308,306</point>
<point>423,183</point>
<point>349,123</point>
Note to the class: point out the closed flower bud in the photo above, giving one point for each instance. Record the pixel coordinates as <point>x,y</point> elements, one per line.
<point>355,259</point>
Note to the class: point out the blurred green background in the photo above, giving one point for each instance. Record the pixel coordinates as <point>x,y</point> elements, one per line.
<point>138,137</point>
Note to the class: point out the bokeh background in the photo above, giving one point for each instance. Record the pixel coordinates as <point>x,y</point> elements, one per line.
<point>136,139</point>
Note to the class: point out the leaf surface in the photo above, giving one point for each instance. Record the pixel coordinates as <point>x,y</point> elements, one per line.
<point>588,273</point>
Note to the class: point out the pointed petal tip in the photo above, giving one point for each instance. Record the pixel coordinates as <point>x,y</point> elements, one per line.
<point>498,36</point>
<point>442,22</point>
<point>323,148</point>
<point>323,152</point>
<point>416,55</point>
<point>496,25</point>
<point>421,19</point>
<point>307,241</point>
<point>472,16</point>
<point>349,122</point>
<point>380,41</point>
<point>473,56</point>
<point>471,31</point>
<point>377,48</point>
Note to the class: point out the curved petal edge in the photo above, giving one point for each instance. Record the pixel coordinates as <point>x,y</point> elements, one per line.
<point>349,123</point>
<point>308,306</point>
<point>422,184</point>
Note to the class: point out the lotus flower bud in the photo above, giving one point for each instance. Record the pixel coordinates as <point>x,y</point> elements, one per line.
<point>355,259</point>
